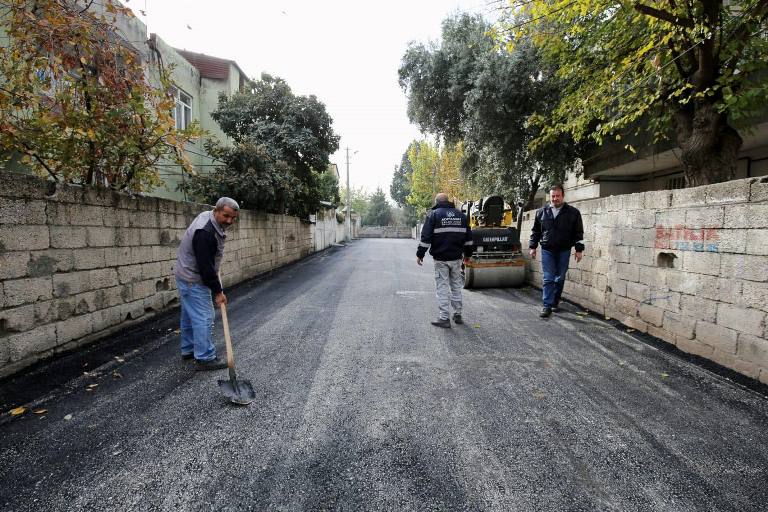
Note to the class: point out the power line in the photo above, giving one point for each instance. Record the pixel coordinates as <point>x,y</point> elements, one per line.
<point>694,46</point>
<point>642,80</point>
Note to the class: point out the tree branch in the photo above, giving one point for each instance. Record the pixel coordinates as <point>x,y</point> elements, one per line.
<point>676,59</point>
<point>664,16</point>
<point>33,154</point>
<point>741,33</point>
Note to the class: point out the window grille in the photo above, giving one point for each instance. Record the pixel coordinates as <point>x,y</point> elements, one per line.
<point>675,182</point>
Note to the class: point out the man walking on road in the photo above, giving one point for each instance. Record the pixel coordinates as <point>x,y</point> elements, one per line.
<point>557,227</point>
<point>447,235</point>
<point>197,277</point>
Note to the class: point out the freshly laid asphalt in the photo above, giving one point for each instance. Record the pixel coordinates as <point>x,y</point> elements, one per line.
<point>363,405</point>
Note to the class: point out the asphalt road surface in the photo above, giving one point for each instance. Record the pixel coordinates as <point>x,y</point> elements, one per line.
<point>363,405</point>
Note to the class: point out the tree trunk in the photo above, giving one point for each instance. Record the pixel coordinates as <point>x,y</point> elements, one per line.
<point>710,146</point>
<point>534,184</point>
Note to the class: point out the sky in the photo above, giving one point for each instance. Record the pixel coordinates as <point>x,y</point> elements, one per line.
<point>344,52</point>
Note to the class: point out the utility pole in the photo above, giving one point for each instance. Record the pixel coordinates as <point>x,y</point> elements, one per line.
<point>347,217</point>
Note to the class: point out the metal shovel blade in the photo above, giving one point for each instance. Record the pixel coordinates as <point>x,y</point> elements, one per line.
<point>238,391</point>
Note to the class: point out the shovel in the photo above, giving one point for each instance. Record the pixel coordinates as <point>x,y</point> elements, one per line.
<point>239,392</point>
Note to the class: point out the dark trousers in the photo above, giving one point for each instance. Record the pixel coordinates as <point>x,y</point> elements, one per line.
<point>554,265</point>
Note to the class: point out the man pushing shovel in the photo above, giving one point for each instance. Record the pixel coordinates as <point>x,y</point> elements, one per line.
<point>197,277</point>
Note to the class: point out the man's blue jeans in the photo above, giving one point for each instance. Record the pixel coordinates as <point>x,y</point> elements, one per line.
<point>554,265</point>
<point>196,320</point>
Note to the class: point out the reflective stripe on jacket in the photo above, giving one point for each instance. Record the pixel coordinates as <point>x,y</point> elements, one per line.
<point>446,234</point>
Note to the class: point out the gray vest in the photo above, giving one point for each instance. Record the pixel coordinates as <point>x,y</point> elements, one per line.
<point>186,264</point>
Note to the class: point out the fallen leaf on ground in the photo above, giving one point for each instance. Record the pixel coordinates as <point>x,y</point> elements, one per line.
<point>621,363</point>
<point>630,330</point>
<point>119,359</point>
<point>40,411</point>
<point>607,318</point>
<point>476,325</point>
<point>18,411</point>
<point>68,417</point>
<point>582,313</point>
<point>664,375</point>
<point>117,375</point>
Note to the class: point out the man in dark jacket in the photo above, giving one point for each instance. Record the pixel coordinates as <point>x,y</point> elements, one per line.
<point>557,227</point>
<point>198,260</point>
<point>447,235</point>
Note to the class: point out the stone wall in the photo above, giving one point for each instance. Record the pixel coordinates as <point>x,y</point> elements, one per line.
<point>688,266</point>
<point>385,232</point>
<point>76,264</point>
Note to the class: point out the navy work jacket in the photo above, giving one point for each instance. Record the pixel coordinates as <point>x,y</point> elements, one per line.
<point>445,233</point>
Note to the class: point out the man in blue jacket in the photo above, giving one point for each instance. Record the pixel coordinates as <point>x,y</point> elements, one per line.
<point>447,235</point>
<point>557,227</point>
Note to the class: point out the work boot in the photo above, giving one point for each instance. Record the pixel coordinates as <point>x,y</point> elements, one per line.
<point>457,319</point>
<point>213,364</point>
<point>187,357</point>
<point>545,312</point>
<point>445,324</point>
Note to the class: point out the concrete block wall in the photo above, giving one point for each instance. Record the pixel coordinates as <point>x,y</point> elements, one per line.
<point>688,266</point>
<point>385,232</point>
<point>76,264</point>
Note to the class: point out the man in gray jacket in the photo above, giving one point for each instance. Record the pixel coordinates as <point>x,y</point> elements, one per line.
<point>198,260</point>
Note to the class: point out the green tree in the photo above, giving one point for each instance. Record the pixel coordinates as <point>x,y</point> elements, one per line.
<point>690,71</point>
<point>379,213</point>
<point>466,90</point>
<point>437,169</point>
<point>360,200</point>
<point>250,174</point>
<point>76,103</point>
<point>508,90</point>
<point>286,138</point>
<point>425,160</point>
<point>401,187</point>
<point>437,78</point>
<point>328,187</point>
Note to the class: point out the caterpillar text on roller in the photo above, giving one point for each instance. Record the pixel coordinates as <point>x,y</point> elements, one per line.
<point>497,261</point>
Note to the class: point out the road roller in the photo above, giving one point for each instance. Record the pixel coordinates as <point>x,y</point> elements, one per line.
<point>497,261</point>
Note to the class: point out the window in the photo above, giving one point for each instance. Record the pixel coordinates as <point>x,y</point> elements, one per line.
<point>676,182</point>
<point>182,114</point>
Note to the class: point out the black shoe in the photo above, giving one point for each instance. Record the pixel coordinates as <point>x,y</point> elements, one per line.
<point>457,319</point>
<point>187,357</point>
<point>545,312</point>
<point>213,364</point>
<point>446,324</point>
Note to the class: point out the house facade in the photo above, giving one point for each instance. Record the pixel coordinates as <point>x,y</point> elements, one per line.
<point>613,170</point>
<point>199,81</point>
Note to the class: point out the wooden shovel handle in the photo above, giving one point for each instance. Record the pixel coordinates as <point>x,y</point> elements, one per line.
<point>227,338</point>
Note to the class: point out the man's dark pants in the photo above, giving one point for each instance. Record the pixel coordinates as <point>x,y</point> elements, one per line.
<point>554,265</point>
